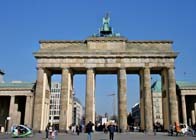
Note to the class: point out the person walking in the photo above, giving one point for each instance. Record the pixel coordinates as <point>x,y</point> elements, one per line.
<point>89,129</point>
<point>47,131</point>
<point>77,129</point>
<point>111,129</point>
<point>54,132</point>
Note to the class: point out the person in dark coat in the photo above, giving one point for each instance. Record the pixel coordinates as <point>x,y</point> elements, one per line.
<point>47,131</point>
<point>89,129</point>
<point>77,130</point>
<point>111,129</point>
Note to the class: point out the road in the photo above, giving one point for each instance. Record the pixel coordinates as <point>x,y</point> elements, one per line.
<point>102,136</point>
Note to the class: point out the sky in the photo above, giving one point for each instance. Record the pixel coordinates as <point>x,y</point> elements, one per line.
<point>24,22</point>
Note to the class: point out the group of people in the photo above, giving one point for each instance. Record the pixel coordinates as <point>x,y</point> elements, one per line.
<point>111,128</point>
<point>50,132</point>
<point>76,128</point>
<point>182,129</point>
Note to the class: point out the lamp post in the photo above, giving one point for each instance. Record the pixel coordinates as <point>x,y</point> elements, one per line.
<point>114,102</point>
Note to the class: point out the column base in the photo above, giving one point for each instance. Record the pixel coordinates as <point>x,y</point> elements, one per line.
<point>149,133</point>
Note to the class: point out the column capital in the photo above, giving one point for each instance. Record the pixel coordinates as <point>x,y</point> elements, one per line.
<point>48,71</point>
<point>146,64</point>
<point>183,95</point>
<point>90,68</point>
<point>40,68</point>
<point>146,68</point>
<point>171,67</point>
<point>68,69</point>
<point>143,68</point>
<point>122,68</point>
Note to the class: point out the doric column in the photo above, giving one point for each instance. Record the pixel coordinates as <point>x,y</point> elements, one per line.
<point>193,117</point>
<point>71,103</point>
<point>39,101</point>
<point>142,99</point>
<point>173,106</point>
<point>122,99</point>
<point>31,111</point>
<point>147,101</point>
<point>195,110</point>
<point>28,109</point>
<point>46,104</point>
<point>64,121</point>
<point>12,113</point>
<point>165,96</point>
<point>90,96</point>
<point>184,116</point>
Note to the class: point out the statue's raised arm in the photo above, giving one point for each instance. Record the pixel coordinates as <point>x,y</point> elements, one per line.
<point>106,19</point>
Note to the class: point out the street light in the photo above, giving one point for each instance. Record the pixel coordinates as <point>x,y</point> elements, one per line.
<point>114,102</point>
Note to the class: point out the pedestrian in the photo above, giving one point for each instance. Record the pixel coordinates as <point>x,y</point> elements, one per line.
<point>178,129</point>
<point>89,129</point>
<point>78,130</point>
<point>170,131</point>
<point>73,128</point>
<point>111,129</point>
<point>47,131</point>
<point>50,131</point>
<point>155,128</point>
<point>54,132</point>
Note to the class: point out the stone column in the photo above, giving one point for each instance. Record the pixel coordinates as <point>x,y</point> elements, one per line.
<point>39,101</point>
<point>27,118</point>
<point>195,110</point>
<point>90,96</point>
<point>71,102</point>
<point>64,101</point>
<point>122,99</point>
<point>47,98</point>
<point>173,106</point>
<point>31,111</point>
<point>184,116</point>
<point>148,101</point>
<point>142,99</point>
<point>12,113</point>
<point>193,117</point>
<point>165,102</point>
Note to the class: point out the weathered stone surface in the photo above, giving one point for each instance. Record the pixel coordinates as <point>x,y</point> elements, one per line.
<point>172,97</point>
<point>184,116</point>
<point>115,55</point>
<point>90,96</point>
<point>165,96</point>
<point>64,121</point>
<point>147,101</point>
<point>122,99</point>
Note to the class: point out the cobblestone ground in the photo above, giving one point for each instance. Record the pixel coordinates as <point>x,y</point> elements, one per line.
<point>102,136</point>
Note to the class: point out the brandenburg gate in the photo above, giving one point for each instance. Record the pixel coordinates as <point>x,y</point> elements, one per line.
<point>105,53</point>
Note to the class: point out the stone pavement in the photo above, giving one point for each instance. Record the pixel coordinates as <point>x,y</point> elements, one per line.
<point>102,136</point>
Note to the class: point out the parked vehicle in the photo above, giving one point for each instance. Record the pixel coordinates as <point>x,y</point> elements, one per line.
<point>184,128</point>
<point>20,131</point>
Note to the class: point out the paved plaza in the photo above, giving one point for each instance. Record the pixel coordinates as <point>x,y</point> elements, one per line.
<point>102,136</point>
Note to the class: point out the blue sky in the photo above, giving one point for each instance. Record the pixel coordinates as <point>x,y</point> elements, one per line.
<point>24,22</point>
